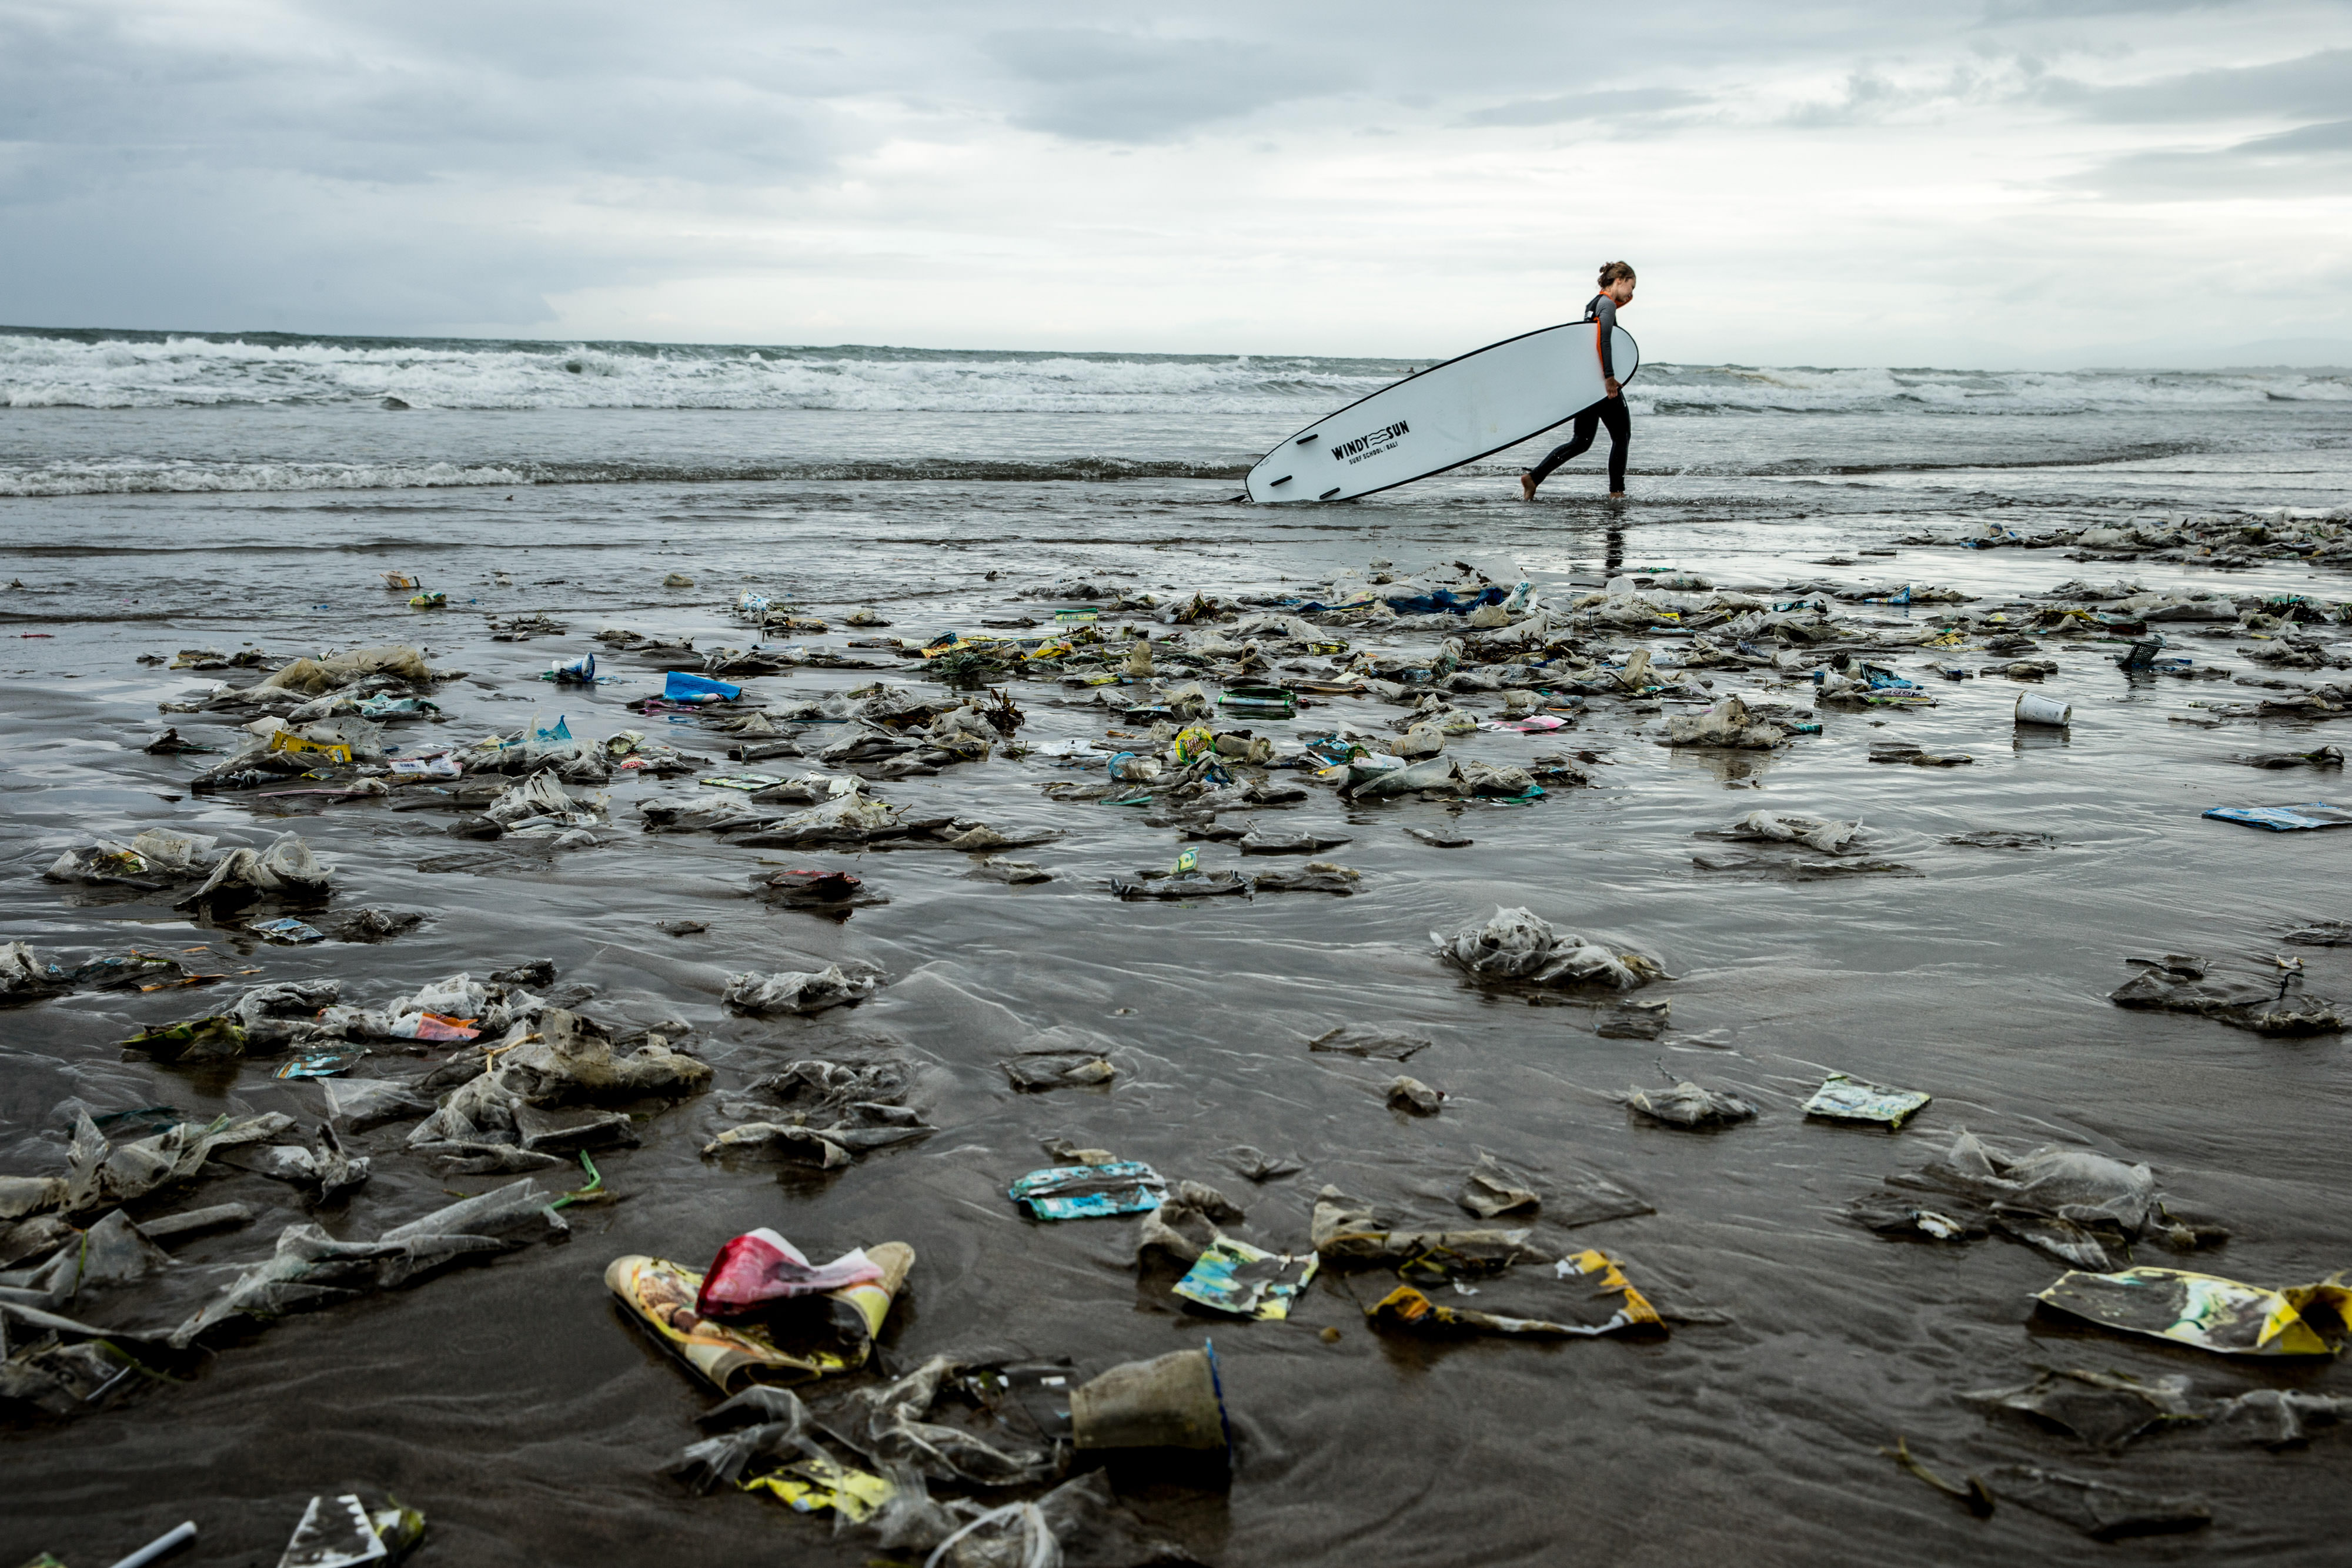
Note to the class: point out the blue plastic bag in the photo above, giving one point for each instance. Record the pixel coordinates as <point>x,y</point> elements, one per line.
<point>681,687</point>
<point>2286,818</point>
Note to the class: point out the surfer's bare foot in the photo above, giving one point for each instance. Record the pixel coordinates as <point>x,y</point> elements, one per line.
<point>1526,486</point>
<point>1616,494</point>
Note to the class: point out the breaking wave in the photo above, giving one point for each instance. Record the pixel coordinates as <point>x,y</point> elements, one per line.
<point>58,369</point>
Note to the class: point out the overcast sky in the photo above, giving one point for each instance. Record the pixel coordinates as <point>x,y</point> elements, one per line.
<point>1981,182</point>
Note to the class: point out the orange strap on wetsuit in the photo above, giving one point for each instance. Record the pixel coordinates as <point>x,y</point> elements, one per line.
<point>1602,314</point>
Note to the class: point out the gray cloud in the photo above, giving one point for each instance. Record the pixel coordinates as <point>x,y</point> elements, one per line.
<point>1998,12</point>
<point>2310,85</point>
<point>1609,104</point>
<point>2308,161</point>
<point>1098,86</point>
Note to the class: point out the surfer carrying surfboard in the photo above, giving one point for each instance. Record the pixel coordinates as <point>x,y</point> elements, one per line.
<point>1616,292</point>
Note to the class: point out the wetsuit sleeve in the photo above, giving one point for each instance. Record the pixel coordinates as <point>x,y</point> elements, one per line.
<point>1604,332</point>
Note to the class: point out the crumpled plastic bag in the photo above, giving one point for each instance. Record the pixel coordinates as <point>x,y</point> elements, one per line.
<point>286,869</point>
<point>793,991</point>
<point>310,1270</point>
<point>852,816</point>
<point>1345,1229</point>
<point>539,796</point>
<point>173,854</point>
<point>21,974</point>
<point>884,1424</point>
<point>1727,724</point>
<point>1688,1104</point>
<point>566,1060</point>
<point>102,862</point>
<point>99,1173</point>
<point>1517,945</point>
<point>1813,833</point>
<point>334,671</point>
<point>1372,779</point>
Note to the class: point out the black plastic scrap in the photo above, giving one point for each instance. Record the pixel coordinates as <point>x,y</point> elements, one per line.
<point>1364,1040</point>
<point>1688,1105</point>
<point>2098,1508</point>
<point>2177,985</point>
<point>2105,1409</point>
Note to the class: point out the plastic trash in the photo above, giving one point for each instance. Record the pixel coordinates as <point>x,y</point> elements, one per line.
<point>2033,707</point>
<point>2100,1510</point>
<point>2207,1312</point>
<point>286,869</point>
<point>1609,1304</point>
<point>734,1356</point>
<point>2269,1009</point>
<point>1090,1192</point>
<point>1174,1401</point>
<point>800,992</point>
<point>679,687</point>
<point>1365,1040</point>
<point>1516,946</point>
<point>343,1532</point>
<point>163,1546</point>
<point>1345,1230</point>
<point>759,1267</point>
<point>1248,1281</point>
<point>1412,1095</point>
<point>1490,1191</point>
<point>1844,1099</point>
<point>2310,814</point>
<point>1686,1104</point>
<point>2105,1409</point>
<point>1726,725</point>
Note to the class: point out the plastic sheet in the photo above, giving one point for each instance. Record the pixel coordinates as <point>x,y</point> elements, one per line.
<point>1844,1099</point>
<point>2207,1312</point>
<point>1090,1192</point>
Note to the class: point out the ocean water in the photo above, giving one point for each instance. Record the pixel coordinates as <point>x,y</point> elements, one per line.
<point>161,491</point>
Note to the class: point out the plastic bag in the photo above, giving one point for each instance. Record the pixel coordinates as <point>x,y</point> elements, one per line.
<point>759,1267</point>
<point>682,688</point>
<point>1013,1536</point>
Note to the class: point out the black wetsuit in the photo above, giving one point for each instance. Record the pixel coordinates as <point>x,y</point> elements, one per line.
<point>1609,410</point>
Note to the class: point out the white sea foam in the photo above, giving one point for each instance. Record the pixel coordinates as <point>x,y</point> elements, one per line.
<point>88,371</point>
<point>42,371</point>
<point>138,476</point>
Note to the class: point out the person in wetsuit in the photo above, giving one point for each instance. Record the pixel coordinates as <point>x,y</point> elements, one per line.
<point>1616,292</point>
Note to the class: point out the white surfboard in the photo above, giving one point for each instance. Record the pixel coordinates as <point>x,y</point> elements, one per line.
<point>1447,416</point>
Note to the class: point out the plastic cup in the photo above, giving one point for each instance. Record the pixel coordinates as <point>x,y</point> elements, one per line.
<point>2033,707</point>
<point>1170,1401</point>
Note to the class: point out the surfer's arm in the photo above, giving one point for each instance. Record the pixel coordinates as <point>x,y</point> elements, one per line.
<point>1604,334</point>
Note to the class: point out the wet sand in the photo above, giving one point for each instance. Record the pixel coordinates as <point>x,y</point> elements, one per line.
<point>514,1404</point>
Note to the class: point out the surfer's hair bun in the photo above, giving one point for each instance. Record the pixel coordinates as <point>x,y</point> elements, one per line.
<point>1610,271</point>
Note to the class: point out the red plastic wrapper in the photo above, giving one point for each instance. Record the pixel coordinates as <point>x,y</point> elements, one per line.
<point>759,1268</point>
<point>434,1026</point>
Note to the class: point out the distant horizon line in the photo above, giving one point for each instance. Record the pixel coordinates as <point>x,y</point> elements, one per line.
<point>422,339</point>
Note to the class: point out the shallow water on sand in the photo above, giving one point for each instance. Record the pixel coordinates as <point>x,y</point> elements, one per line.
<point>516,1406</point>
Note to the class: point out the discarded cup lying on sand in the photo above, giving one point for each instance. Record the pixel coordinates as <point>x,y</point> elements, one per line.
<point>1173,1401</point>
<point>2033,707</point>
